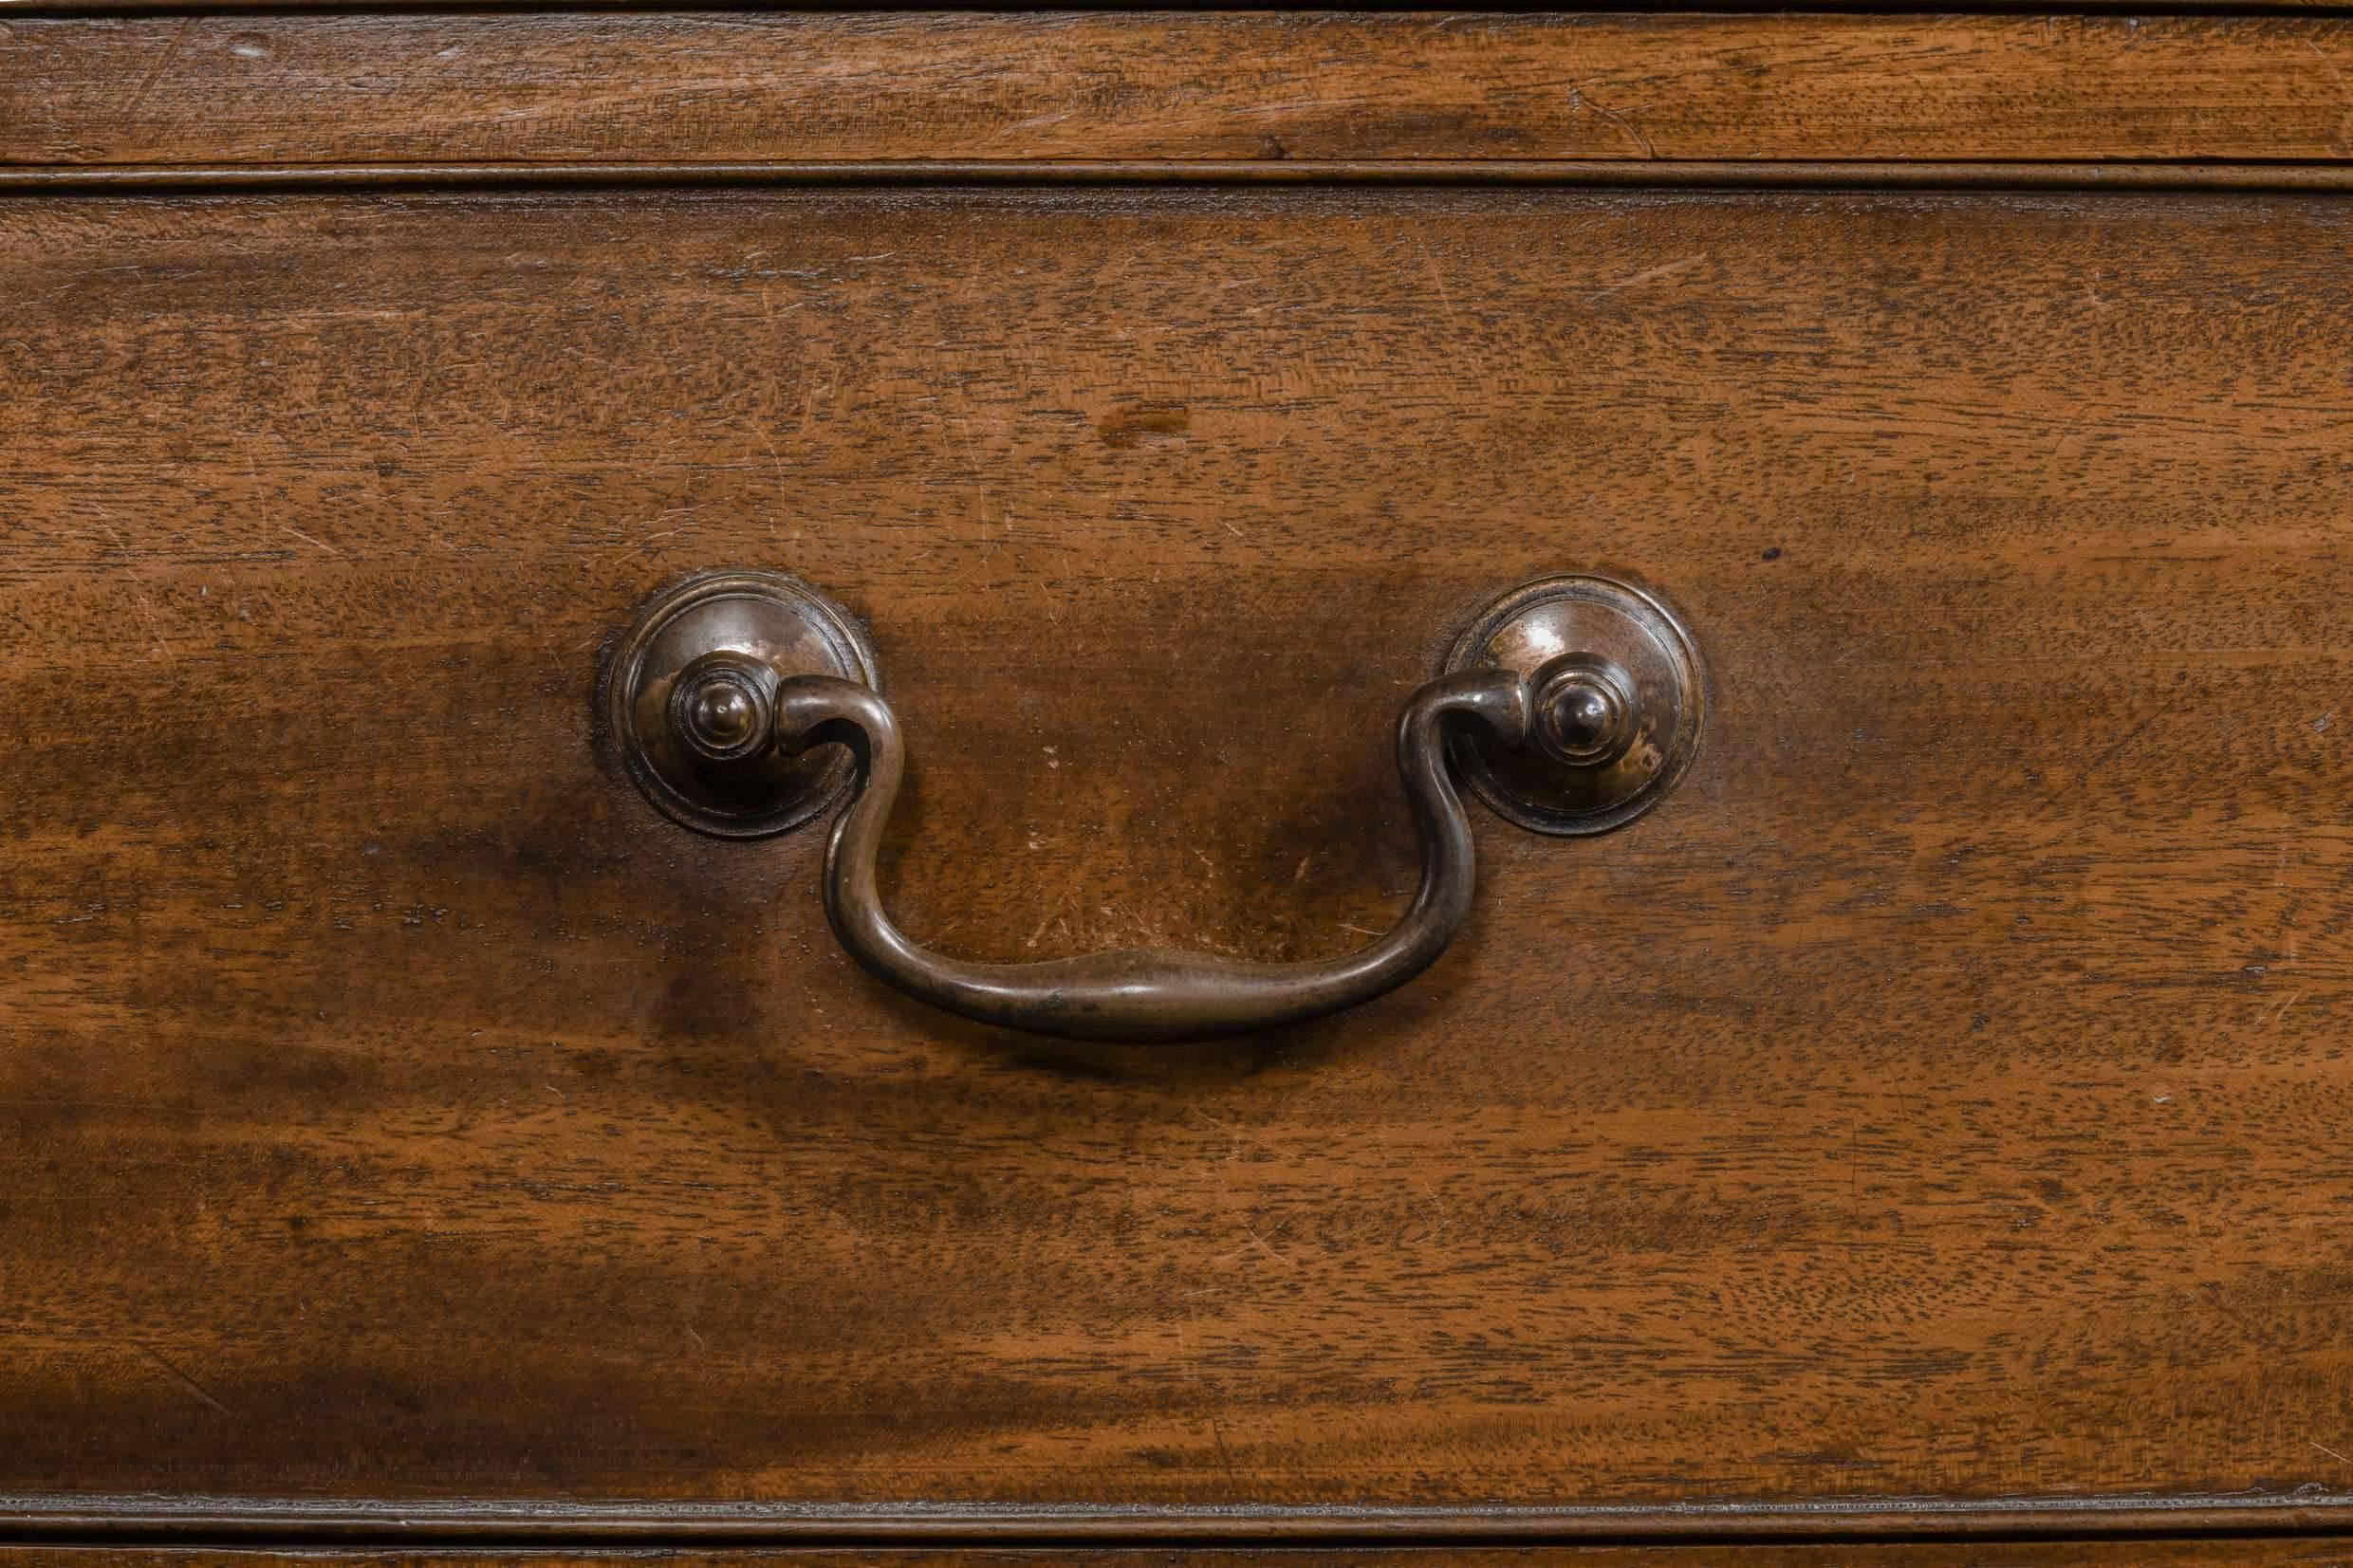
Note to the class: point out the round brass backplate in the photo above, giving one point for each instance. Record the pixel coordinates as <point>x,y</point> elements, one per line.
<point>1617,698</point>
<point>689,697</point>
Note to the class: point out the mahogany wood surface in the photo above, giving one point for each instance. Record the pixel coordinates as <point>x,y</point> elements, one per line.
<point>685,88</point>
<point>1944,1092</point>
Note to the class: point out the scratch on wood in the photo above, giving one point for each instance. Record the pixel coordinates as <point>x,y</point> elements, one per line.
<point>1656,274</point>
<point>1579,99</point>
<point>183,1379</point>
<point>179,36</point>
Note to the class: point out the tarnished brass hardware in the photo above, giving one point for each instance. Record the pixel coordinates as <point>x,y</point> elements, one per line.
<point>692,700</point>
<point>1618,695</point>
<point>1574,703</point>
<point>1145,994</point>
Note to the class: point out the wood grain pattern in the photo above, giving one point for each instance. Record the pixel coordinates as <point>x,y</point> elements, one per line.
<point>1943,1093</point>
<point>311,89</point>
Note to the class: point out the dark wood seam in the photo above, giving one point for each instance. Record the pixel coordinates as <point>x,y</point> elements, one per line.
<point>221,1521</point>
<point>100,9</point>
<point>1664,173</point>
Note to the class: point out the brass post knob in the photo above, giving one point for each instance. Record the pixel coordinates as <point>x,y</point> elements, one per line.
<point>1620,698</point>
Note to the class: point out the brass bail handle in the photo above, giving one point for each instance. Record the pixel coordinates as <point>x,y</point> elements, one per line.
<point>745,703</point>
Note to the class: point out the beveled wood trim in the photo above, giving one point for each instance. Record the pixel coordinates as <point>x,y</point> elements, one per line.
<point>2186,1551</point>
<point>2288,178</point>
<point>91,9</point>
<point>1323,88</point>
<point>289,1521</point>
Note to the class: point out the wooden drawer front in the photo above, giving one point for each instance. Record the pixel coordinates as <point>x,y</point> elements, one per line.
<point>1943,1093</point>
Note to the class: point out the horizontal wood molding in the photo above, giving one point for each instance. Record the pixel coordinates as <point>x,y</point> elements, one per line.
<point>2144,178</point>
<point>2238,1551</point>
<point>748,1525</point>
<point>522,90</point>
<point>1012,8</point>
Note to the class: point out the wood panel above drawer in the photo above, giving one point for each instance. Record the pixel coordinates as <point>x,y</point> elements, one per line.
<point>520,90</point>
